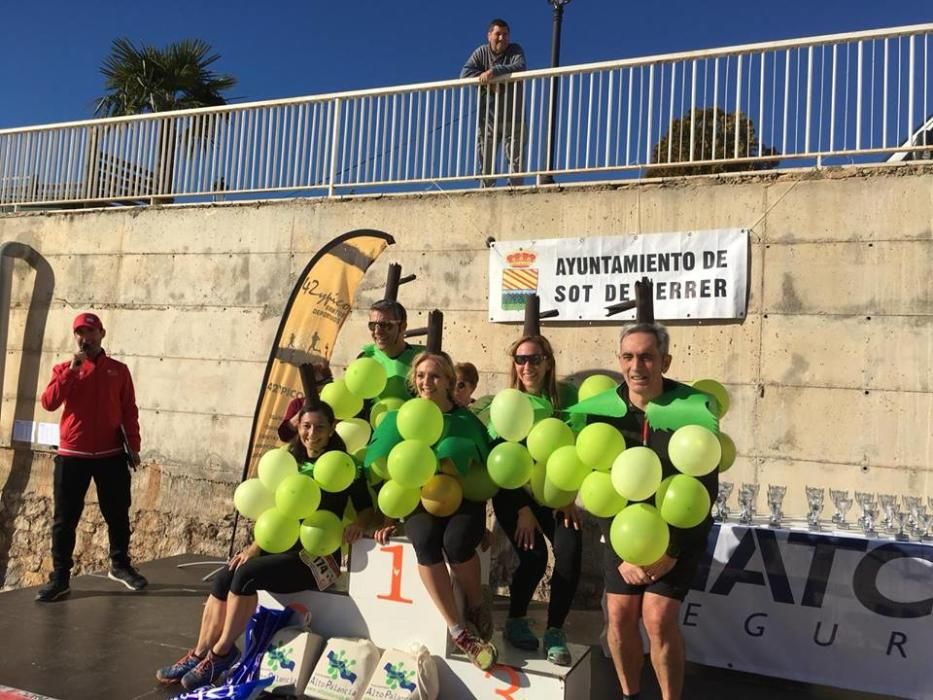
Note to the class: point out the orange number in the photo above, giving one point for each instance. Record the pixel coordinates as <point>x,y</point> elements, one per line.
<point>514,681</point>
<point>395,592</point>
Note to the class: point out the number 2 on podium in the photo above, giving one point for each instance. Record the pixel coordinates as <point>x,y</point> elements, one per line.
<point>395,591</point>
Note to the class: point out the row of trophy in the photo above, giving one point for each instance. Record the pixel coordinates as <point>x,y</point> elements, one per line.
<point>904,518</point>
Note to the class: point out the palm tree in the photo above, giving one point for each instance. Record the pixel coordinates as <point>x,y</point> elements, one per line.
<point>143,79</point>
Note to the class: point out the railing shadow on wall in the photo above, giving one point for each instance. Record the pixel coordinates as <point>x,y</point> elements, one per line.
<point>12,489</point>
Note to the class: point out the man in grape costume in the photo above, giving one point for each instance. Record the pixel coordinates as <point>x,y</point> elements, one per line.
<point>647,408</point>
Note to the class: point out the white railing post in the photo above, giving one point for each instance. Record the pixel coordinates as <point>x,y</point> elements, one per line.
<point>334,140</point>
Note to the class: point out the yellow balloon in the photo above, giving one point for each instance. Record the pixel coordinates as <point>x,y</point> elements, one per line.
<point>728,452</point>
<point>442,495</point>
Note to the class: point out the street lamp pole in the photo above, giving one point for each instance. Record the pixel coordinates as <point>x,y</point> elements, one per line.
<point>558,6</point>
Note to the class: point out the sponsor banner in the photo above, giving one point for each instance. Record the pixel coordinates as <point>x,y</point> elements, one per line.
<point>838,610</point>
<point>696,275</point>
<point>318,306</point>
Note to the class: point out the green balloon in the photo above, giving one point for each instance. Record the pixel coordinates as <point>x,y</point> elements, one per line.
<point>639,535</point>
<point>355,433</point>
<point>345,403</point>
<point>321,533</point>
<point>685,501</point>
<point>598,445</point>
<point>636,473</point>
<point>728,452</point>
<point>544,492</point>
<point>565,470</point>
<point>275,532</point>
<point>509,465</point>
<point>546,436</point>
<point>298,496</point>
<point>511,414</point>
<point>599,497</point>
<point>397,501</point>
<point>477,485</point>
<point>412,463</point>
<point>365,377</point>
<point>380,408</point>
<point>380,467</point>
<point>694,450</point>
<point>274,466</point>
<point>553,497</point>
<point>420,419</point>
<point>595,384</point>
<point>717,391</point>
<point>334,471</point>
<point>253,499</point>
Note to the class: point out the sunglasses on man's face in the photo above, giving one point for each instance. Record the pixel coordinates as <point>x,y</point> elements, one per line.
<point>461,385</point>
<point>382,325</point>
<point>535,360</point>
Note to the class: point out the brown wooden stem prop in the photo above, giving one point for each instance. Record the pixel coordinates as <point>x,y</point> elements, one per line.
<point>643,303</point>
<point>395,280</point>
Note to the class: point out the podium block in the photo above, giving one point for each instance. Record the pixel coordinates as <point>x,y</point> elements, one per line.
<point>519,675</point>
<point>385,601</point>
<point>385,585</point>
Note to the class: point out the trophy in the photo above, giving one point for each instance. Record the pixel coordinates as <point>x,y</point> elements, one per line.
<point>747,504</point>
<point>866,502</point>
<point>775,498</point>
<point>899,521</point>
<point>753,490</point>
<point>912,506</point>
<point>842,504</point>
<point>722,507</point>
<point>923,520</point>
<point>815,505</point>
<point>887,502</point>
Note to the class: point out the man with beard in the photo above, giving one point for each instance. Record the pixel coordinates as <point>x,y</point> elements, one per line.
<point>99,436</point>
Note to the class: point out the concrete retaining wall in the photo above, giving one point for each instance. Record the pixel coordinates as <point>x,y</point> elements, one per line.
<point>829,373</point>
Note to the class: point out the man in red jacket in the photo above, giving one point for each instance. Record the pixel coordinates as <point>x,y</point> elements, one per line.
<point>99,434</point>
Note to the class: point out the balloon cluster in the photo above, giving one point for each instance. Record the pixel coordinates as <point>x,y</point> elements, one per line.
<point>640,532</point>
<point>284,502</point>
<point>411,468</point>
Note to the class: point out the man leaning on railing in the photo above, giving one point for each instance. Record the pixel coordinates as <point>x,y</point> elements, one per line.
<point>501,114</point>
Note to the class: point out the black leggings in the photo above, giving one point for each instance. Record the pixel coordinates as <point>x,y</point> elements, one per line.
<point>457,535</point>
<point>568,554</point>
<point>276,573</point>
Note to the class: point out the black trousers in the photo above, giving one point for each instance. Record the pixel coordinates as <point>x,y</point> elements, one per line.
<point>532,563</point>
<point>72,478</point>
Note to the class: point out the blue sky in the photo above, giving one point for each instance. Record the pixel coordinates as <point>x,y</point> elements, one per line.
<point>52,48</point>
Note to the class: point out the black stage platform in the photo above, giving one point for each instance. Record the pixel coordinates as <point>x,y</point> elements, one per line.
<point>105,642</point>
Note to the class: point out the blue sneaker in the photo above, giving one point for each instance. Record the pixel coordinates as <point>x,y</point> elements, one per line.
<point>518,633</point>
<point>210,670</point>
<point>175,672</point>
<point>555,644</point>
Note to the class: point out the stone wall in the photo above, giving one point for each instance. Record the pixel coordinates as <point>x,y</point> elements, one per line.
<point>829,373</point>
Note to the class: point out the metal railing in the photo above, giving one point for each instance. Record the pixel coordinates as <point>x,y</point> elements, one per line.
<point>847,98</point>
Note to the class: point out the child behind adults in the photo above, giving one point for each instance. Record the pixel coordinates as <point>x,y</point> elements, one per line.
<point>234,597</point>
<point>528,523</point>
<point>454,537</point>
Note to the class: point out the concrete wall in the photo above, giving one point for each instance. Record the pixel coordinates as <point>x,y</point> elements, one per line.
<point>829,373</point>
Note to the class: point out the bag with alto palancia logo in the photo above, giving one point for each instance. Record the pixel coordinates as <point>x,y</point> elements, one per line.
<point>290,659</point>
<point>401,675</point>
<point>344,670</point>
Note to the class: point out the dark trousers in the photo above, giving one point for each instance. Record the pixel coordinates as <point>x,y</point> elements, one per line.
<point>72,477</point>
<point>532,563</point>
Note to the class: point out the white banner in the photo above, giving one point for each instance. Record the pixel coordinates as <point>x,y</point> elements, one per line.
<point>842,611</point>
<point>696,275</point>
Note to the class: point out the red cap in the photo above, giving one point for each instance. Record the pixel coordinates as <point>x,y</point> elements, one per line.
<point>87,319</point>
